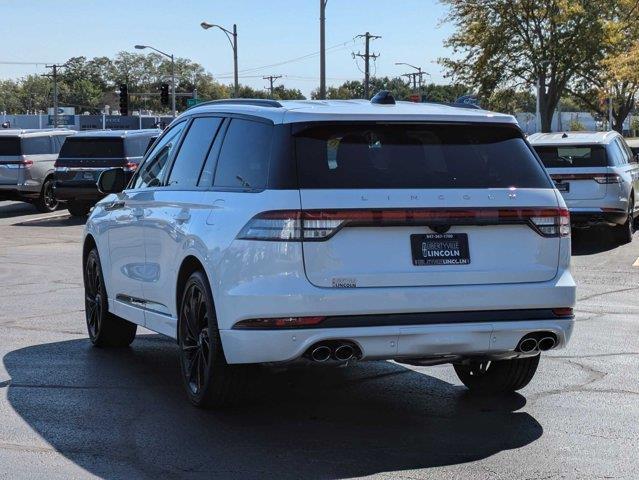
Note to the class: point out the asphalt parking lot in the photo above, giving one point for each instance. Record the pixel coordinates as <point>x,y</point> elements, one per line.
<point>68,410</point>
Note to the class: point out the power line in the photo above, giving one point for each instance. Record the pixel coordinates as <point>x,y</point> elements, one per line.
<point>271,79</point>
<point>332,48</point>
<point>6,62</point>
<point>367,57</point>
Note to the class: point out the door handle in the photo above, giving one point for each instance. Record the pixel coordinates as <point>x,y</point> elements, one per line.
<point>115,205</point>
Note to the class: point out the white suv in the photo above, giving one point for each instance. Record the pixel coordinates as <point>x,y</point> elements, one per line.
<point>597,174</point>
<point>258,231</point>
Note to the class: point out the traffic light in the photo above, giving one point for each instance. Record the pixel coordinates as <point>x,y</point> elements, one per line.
<point>164,94</point>
<point>124,99</point>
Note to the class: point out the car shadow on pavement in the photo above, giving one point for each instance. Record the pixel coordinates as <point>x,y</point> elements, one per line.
<point>121,413</point>
<point>55,221</point>
<point>592,240</point>
<point>17,209</point>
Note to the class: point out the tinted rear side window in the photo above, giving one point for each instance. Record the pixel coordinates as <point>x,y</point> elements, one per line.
<point>10,146</point>
<point>416,156</point>
<point>572,156</point>
<point>244,157</point>
<point>92,148</point>
<point>36,146</point>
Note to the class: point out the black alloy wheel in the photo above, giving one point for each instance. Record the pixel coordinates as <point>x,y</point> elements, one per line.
<point>195,339</point>
<point>209,381</point>
<point>47,202</point>
<point>105,329</point>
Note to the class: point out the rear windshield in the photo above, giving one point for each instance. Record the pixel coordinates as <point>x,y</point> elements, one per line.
<point>416,156</point>
<point>572,156</point>
<point>92,148</point>
<point>10,146</point>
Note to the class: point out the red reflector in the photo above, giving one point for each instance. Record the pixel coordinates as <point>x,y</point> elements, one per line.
<point>285,322</point>
<point>562,312</point>
<point>131,166</point>
<point>27,163</point>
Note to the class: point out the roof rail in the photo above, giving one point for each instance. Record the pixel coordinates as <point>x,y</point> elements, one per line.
<point>257,102</point>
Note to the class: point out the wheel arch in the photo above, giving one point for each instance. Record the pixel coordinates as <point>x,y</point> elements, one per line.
<point>189,265</point>
<point>89,244</point>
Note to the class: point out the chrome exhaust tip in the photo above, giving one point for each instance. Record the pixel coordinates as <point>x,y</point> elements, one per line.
<point>344,352</point>
<point>546,343</point>
<point>527,345</point>
<point>320,353</point>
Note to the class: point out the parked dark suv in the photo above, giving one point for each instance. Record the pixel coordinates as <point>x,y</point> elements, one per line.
<point>82,160</point>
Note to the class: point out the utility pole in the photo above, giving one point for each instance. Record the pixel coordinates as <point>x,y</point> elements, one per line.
<point>271,79</point>
<point>322,88</point>
<point>54,76</point>
<point>367,56</point>
<point>414,76</point>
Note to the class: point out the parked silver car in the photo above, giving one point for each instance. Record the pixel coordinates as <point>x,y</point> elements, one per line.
<point>27,159</point>
<point>598,176</point>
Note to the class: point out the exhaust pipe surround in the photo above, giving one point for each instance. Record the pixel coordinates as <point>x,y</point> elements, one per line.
<point>344,352</point>
<point>546,343</point>
<point>321,353</point>
<point>527,345</point>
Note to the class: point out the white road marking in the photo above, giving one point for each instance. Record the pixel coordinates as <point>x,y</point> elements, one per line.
<point>636,264</point>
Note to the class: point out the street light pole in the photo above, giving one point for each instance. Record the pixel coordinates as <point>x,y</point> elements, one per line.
<point>232,38</point>
<point>142,47</point>
<point>235,74</point>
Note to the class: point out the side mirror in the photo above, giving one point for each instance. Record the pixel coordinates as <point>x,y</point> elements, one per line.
<point>111,181</point>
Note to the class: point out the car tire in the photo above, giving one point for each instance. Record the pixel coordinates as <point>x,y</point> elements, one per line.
<point>105,329</point>
<point>501,376</point>
<point>623,233</point>
<point>78,209</point>
<point>209,381</point>
<point>46,202</point>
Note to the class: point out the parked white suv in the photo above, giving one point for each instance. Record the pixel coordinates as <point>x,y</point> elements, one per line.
<point>598,176</point>
<point>258,231</point>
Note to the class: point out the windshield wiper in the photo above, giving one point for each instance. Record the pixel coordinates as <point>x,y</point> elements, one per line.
<point>244,183</point>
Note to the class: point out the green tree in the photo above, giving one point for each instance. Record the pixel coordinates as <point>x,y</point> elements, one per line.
<point>510,43</point>
<point>510,100</point>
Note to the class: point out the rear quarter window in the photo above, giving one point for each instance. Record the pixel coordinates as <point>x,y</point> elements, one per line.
<point>37,146</point>
<point>416,155</point>
<point>244,157</point>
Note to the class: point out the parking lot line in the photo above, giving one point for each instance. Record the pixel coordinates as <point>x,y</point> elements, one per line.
<point>636,264</point>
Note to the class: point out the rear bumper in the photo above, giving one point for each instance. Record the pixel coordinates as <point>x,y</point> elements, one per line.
<point>583,217</point>
<point>388,342</point>
<point>77,191</point>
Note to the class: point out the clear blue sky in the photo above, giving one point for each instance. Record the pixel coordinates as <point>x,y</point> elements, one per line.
<point>269,31</point>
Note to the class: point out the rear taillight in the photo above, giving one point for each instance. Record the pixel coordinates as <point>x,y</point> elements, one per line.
<point>130,166</point>
<point>318,225</point>
<point>285,322</point>
<point>556,224</point>
<point>607,178</point>
<point>26,162</point>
